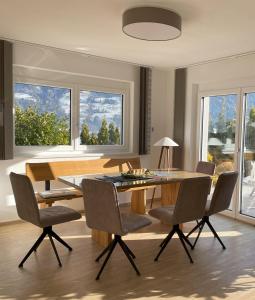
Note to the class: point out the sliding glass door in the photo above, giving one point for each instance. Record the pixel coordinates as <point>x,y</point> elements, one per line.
<point>219,138</point>
<point>247,190</point>
<point>228,140</point>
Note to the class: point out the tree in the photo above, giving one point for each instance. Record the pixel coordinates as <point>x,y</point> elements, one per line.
<point>252,115</point>
<point>112,140</point>
<point>250,130</point>
<point>114,135</point>
<point>117,136</point>
<point>231,129</point>
<point>210,127</point>
<point>85,136</point>
<point>103,134</point>
<point>93,139</point>
<point>221,123</point>
<point>36,129</point>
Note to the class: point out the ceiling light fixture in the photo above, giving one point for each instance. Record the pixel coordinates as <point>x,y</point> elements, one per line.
<point>151,23</point>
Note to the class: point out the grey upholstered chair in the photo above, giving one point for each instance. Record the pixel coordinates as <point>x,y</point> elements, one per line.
<point>205,167</point>
<point>45,218</point>
<point>221,200</point>
<point>102,213</point>
<point>190,205</point>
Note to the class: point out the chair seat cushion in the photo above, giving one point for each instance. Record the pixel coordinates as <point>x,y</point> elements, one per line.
<point>164,213</point>
<point>132,222</point>
<point>56,215</point>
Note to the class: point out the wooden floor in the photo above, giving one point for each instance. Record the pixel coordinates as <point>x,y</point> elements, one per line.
<point>216,274</point>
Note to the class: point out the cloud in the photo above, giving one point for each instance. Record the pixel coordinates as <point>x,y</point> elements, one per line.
<point>24,96</point>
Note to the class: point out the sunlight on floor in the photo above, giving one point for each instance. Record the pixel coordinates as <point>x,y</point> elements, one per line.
<point>151,236</point>
<point>72,237</point>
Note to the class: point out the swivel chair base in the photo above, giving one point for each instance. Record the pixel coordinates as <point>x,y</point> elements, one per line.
<point>51,234</point>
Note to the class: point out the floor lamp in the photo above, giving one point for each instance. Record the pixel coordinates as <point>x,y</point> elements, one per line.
<point>164,159</point>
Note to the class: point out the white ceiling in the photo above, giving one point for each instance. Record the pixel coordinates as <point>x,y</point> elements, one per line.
<point>211,28</point>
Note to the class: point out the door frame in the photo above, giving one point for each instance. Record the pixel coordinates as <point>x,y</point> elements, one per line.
<point>240,92</point>
<point>243,92</point>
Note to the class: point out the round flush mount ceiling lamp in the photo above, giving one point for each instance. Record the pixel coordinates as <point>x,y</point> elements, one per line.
<point>151,23</point>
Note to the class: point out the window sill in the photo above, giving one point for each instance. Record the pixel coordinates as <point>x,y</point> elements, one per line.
<point>73,154</point>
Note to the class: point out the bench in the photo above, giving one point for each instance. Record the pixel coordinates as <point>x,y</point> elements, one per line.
<point>48,171</point>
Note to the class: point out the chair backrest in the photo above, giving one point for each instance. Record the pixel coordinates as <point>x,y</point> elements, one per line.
<point>223,192</point>
<point>191,199</point>
<point>44,171</point>
<point>205,167</point>
<point>26,204</point>
<point>101,206</point>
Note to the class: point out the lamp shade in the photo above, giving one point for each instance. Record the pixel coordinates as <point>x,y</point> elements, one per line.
<point>151,23</point>
<point>166,142</point>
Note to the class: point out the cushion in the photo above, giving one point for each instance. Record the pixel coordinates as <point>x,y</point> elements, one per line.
<point>132,222</point>
<point>56,215</point>
<point>164,213</point>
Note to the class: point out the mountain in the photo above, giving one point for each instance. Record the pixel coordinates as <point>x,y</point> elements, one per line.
<point>227,105</point>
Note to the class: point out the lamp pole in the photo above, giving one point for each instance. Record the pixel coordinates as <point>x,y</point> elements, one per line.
<point>165,143</point>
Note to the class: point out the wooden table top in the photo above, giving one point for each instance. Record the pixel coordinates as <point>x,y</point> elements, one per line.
<point>160,177</point>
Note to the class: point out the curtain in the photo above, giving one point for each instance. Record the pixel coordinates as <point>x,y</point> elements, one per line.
<point>179,116</point>
<point>145,111</point>
<point>6,101</point>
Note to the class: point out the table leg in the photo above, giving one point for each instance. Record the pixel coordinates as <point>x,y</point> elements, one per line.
<point>101,237</point>
<point>138,201</point>
<point>45,205</point>
<point>169,193</point>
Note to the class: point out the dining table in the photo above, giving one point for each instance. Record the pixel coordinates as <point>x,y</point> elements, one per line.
<point>168,180</point>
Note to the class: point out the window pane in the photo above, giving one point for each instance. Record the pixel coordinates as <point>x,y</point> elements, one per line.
<point>248,174</point>
<point>101,118</point>
<point>42,115</point>
<point>219,132</point>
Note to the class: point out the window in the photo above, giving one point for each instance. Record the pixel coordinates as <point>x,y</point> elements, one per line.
<point>219,126</point>
<point>72,116</point>
<point>101,118</point>
<point>42,115</point>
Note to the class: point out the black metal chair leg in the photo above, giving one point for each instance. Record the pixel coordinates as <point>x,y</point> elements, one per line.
<point>126,246</point>
<point>153,195</point>
<point>104,252</point>
<point>198,235</point>
<point>46,230</point>
<point>198,222</point>
<point>166,241</point>
<point>214,232</point>
<point>185,239</point>
<point>107,258</point>
<point>58,238</point>
<point>194,229</point>
<point>184,246</point>
<point>34,247</point>
<point>125,250</point>
<point>55,250</point>
<point>163,242</point>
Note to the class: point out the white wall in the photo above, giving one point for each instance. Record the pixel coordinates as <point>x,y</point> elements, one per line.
<point>226,74</point>
<point>34,58</point>
<point>162,112</point>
